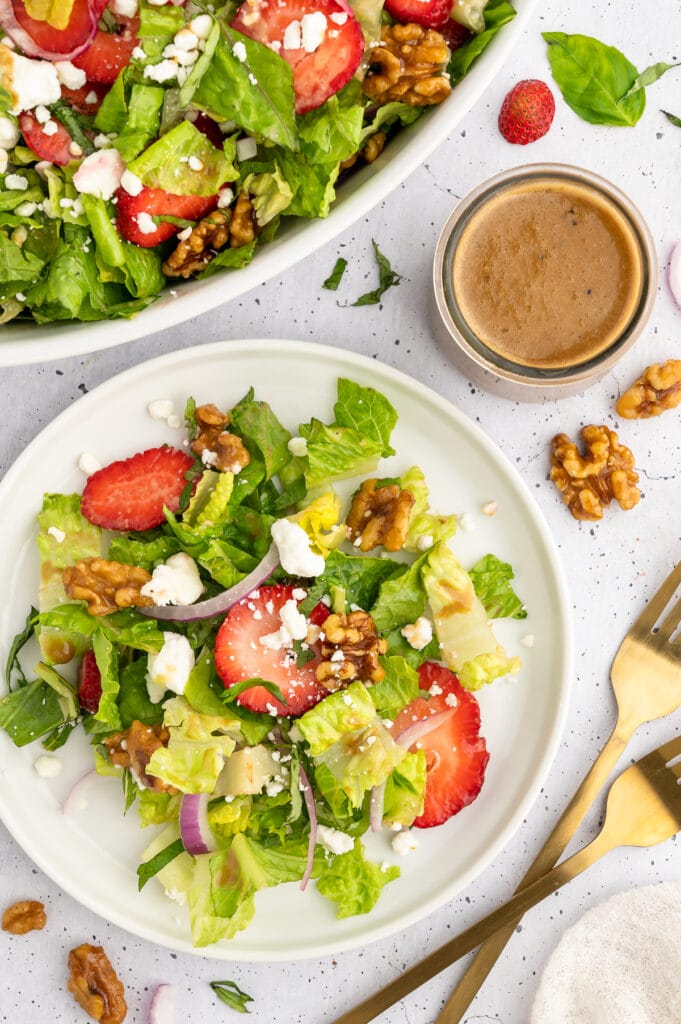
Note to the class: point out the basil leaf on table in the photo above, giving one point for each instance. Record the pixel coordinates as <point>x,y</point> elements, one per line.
<point>672,118</point>
<point>230,994</point>
<point>595,79</point>
<point>387,278</point>
<point>334,278</point>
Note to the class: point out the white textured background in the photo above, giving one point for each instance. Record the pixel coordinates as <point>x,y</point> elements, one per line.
<point>612,567</point>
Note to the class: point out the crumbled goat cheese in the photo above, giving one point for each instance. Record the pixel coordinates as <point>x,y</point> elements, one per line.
<point>404,842</point>
<point>88,464</point>
<point>131,183</point>
<point>69,75</point>
<point>100,174</point>
<point>425,542</point>
<point>161,408</point>
<point>246,148</point>
<point>145,222</point>
<point>16,181</point>
<point>527,640</point>
<point>164,71</point>
<point>295,554</point>
<point>313,30</point>
<point>333,840</point>
<point>175,581</point>
<point>418,634</point>
<point>47,766</point>
<point>9,132</point>
<point>297,446</point>
<point>171,667</point>
<point>467,522</point>
<point>58,534</point>
<point>29,82</point>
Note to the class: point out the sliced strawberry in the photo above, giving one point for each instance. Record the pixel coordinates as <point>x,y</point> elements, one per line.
<point>319,614</point>
<point>429,13</point>
<point>55,148</point>
<point>89,683</point>
<point>130,494</point>
<point>456,754</point>
<point>60,41</point>
<point>156,202</point>
<point>240,655</point>
<point>210,129</point>
<point>87,99</point>
<point>109,52</point>
<point>317,73</point>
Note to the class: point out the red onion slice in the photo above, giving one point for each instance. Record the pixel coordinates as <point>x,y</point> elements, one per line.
<point>675,273</point>
<point>27,43</point>
<point>419,729</point>
<point>376,807</point>
<point>194,828</point>
<point>75,801</point>
<point>221,602</point>
<point>312,814</point>
<point>162,1006</point>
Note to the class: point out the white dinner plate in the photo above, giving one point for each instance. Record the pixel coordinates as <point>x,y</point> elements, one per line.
<point>94,855</point>
<point>31,343</point>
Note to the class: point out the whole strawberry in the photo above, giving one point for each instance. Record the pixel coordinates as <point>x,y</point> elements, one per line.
<point>527,112</point>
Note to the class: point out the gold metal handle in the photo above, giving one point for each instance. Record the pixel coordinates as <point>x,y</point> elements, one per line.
<point>489,953</point>
<point>478,933</point>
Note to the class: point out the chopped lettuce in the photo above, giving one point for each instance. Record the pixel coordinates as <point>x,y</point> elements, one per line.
<point>319,519</point>
<point>353,882</point>
<point>492,581</point>
<point>260,428</point>
<point>197,748</point>
<point>425,528</point>
<point>72,538</point>
<point>157,808</point>
<point>405,790</point>
<point>360,577</point>
<point>367,411</point>
<point>467,643</point>
<point>336,453</point>
<point>106,656</point>
<point>167,163</point>
<point>399,686</point>
<point>402,598</point>
<point>496,14</point>
<point>270,194</point>
<point>30,712</point>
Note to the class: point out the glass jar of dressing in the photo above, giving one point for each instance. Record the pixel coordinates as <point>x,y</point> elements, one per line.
<point>543,277</point>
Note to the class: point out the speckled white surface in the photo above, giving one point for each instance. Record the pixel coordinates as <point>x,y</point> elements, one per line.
<point>612,567</point>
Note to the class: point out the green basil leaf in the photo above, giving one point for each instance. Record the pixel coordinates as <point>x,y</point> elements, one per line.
<point>595,79</point>
<point>672,118</point>
<point>334,278</point>
<point>648,76</point>
<point>22,637</point>
<point>387,278</point>
<point>152,867</point>
<point>230,994</point>
<point>233,692</point>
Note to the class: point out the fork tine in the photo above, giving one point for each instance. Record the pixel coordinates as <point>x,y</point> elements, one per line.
<point>671,622</point>
<point>658,602</point>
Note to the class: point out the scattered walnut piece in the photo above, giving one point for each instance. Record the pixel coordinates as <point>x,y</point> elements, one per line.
<point>106,586</point>
<point>194,253</point>
<point>350,650</point>
<point>227,451</point>
<point>658,388</point>
<point>372,150</point>
<point>380,515</point>
<point>95,986</point>
<point>408,65</point>
<point>243,227</point>
<point>588,483</point>
<point>24,916</point>
<point>133,749</point>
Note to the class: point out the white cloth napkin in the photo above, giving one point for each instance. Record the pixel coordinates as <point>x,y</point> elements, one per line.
<point>620,964</point>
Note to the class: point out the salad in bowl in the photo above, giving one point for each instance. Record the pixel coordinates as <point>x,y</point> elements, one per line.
<point>275,648</point>
<point>143,143</point>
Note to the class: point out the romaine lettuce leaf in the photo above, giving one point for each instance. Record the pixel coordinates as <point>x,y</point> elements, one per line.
<point>319,519</point>
<point>331,133</point>
<point>405,790</point>
<point>360,578</point>
<point>147,554</point>
<point>496,14</point>
<point>157,28</point>
<point>387,115</point>
<point>342,713</point>
<point>353,882</point>
<point>336,453</point>
<point>260,428</point>
<point>106,656</point>
<point>425,528</point>
<point>401,599</point>
<point>492,581</point>
<point>197,748</point>
<point>367,411</point>
<point>399,686</point>
<point>30,712</point>
<point>133,698</point>
<point>270,194</point>
<point>166,163</point>
<point>157,808</point>
<point>142,121</point>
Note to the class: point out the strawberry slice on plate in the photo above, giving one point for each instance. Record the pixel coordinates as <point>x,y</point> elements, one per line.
<point>240,654</point>
<point>134,213</point>
<point>429,13</point>
<point>60,42</point>
<point>130,494</point>
<point>321,40</point>
<point>456,753</point>
<point>109,52</point>
<point>56,148</point>
<point>89,683</point>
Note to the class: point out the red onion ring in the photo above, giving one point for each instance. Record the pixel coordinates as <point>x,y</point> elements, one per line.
<point>162,1006</point>
<point>28,45</point>
<point>312,814</point>
<point>376,807</point>
<point>194,828</point>
<point>221,602</point>
<point>73,803</point>
<point>419,729</point>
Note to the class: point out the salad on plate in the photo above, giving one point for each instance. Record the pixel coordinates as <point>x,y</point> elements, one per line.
<point>145,142</point>
<point>272,645</point>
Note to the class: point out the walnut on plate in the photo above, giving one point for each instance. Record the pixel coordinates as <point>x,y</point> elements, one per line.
<point>380,515</point>
<point>133,749</point>
<point>95,986</point>
<point>106,586</point>
<point>408,65</point>
<point>350,649</point>
<point>24,916</point>
<point>227,451</point>
<point>589,482</point>
<point>657,389</point>
<point>213,233</point>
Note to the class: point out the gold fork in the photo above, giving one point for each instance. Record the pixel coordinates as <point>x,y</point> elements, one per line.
<point>643,809</point>
<point>646,679</point>
<point>642,655</point>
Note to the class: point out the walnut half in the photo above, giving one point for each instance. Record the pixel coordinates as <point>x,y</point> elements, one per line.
<point>350,649</point>
<point>213,233</point>
<point>106,586</point>
<point>24,916</point>
<point>380,515</point>
<point>408,65</point>
<point>589,482</point>
<point>658,388</point>
<point>95,986</point>
<point>134,747</point>
<point>224,450</point>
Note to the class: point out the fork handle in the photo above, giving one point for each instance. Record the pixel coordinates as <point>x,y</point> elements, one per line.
<point>477,933</point>
<point>551,851</point>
